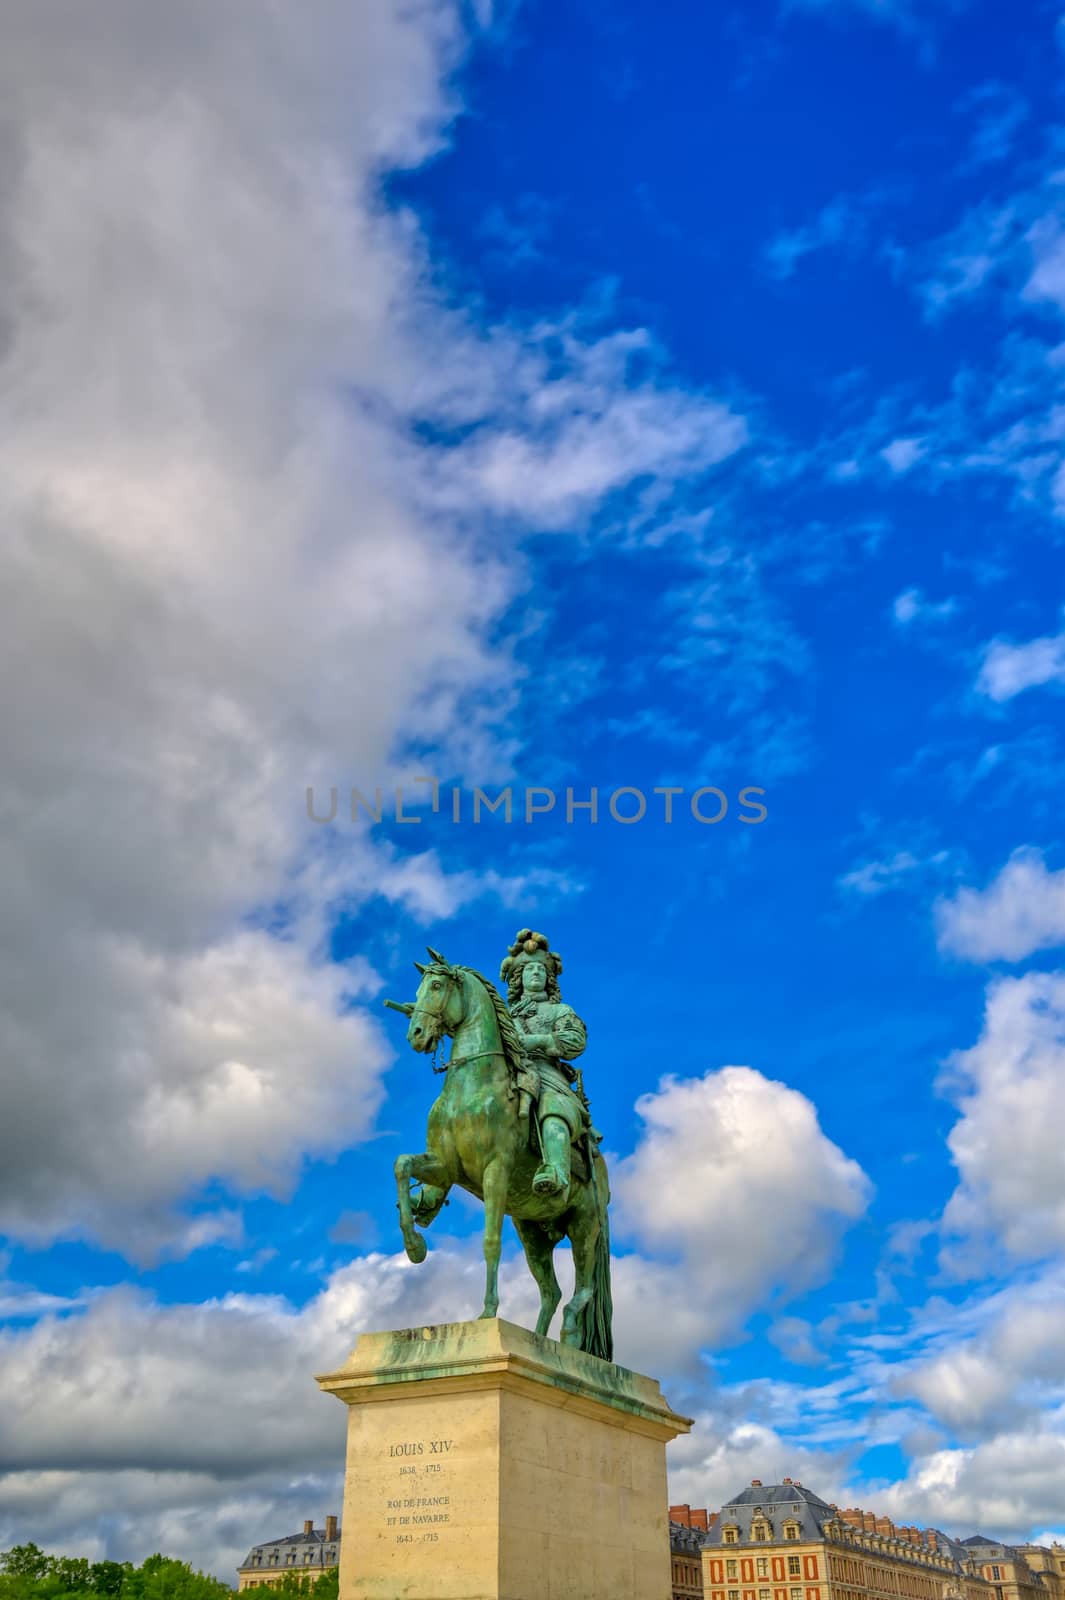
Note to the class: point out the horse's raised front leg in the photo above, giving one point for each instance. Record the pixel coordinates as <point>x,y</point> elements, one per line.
<point>426,1169</point>
<point>495,1183</point>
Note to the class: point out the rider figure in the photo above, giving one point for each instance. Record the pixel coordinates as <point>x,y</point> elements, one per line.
<point>552,1034</point>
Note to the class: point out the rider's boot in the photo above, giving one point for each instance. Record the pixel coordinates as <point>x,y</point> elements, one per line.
<point>553,1177</point>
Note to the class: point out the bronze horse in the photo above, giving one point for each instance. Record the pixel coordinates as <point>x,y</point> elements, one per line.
<point>477,1140</point>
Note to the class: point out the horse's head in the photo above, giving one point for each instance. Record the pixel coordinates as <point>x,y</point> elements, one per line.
<point>439,1006</point>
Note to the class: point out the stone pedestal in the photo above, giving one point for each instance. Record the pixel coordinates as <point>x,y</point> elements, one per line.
<point>486,1463</point>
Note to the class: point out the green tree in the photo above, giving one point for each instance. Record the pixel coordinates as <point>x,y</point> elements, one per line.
<point>106,1577</point>
<point>28,1573</point>
<point>163,1578</point>
<point>25,1561</point>
<point>328,1585</point>
<point>69,1575</point>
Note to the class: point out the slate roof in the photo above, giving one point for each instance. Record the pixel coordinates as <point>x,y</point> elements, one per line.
<point>781,1502</point>
<point>308,1549</point>
<point>984,1549</point>
<point>684,1540</point>
<point>957,1549</point>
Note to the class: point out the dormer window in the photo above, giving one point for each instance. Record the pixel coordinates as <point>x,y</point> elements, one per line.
<point>791,1530</point>
<point>760,1531</point>
<point>730,1534</point>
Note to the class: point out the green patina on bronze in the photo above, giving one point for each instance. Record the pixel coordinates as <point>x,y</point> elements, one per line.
<point>511,1126</point>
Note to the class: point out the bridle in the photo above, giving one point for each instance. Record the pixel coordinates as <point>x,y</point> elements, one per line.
<point>451,976</point>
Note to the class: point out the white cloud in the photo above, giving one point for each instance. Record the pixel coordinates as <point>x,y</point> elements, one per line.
<point>722,1454</point>
<point>1021,910</point>
<point>796,1340</point>
<point>1001,111</point>
<point>874,878</point>
<point>1009,669</point>
<point>912,606</point>
<point>902,454</point>
<point>1047,278</point>
<point>1006,1146</point>
<point>579,434</point>
<point>838,223</point>
<point>135,1426</point>
<point>994,1364</point>
<point>963,261</point>
<point>1010,1485</point>
<point>229,566</point>
<point>734,1175</point>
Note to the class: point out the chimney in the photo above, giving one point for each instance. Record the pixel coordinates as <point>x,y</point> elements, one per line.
<point>787,1480</point>
<point>868,1522</point>
<point>699,1520</point>
<point>308,1529</point>
<point>884,1525</point>
<point>330,1529</point>
<point>756,1483</point>
<point>681,1514</point>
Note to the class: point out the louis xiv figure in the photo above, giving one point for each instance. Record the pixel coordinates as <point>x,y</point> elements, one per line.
<point>552,1035</point>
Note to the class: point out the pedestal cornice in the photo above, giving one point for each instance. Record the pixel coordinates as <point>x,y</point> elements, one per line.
<point>464,1357</point>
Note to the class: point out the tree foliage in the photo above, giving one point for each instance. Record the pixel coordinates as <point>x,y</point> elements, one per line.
<point>29,1573</point>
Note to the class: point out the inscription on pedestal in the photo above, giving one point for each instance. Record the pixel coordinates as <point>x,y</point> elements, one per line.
<point>419,1507</point>
<point>485,1463</point>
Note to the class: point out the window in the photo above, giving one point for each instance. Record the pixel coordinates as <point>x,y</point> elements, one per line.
<point>796,1594</point>
<point>731,1536</point>
<point>730,1570</point>
<point>794,1567</point>
<point>791,1530</point>
<point>995,1573</point>
<point>734,1594</point>
<point>763,1594</point>
<point>763,1566</point>
<point>759,1532</point>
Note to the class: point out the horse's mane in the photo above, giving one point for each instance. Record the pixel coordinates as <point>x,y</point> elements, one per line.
<point>509,1037</point>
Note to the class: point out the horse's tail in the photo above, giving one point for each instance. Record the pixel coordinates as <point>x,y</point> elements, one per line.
<point>596,1319</point>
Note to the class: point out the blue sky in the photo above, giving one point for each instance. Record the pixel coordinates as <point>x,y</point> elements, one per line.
<point>533,396</point>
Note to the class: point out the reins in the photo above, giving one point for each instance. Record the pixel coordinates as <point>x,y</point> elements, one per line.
<point>478,1055</point>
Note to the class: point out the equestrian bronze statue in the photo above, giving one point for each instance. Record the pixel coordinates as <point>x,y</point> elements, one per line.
<point>511,1125</point>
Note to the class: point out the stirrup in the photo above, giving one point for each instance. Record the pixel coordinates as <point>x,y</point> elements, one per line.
<point>548,1180</point>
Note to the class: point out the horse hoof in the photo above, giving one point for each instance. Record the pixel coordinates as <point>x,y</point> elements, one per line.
<point>417,1250</point>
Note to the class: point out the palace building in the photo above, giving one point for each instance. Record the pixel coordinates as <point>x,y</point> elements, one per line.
<point>777,1542</point>
<point>310,1553</point>
<point>783,1542</point>
<point>687,1527</point>
<point>1019,1572</point>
